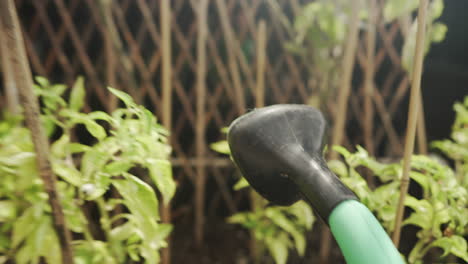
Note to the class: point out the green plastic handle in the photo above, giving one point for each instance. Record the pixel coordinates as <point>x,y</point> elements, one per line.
<point>360,236</point>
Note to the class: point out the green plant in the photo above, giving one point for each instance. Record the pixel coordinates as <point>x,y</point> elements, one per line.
<point>441,213</point>
<point>456,148</point>
<point>124,142</point>
<point>276,228</point>
<point>318,36</point>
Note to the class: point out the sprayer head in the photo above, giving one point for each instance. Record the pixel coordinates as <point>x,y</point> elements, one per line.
<point>261,142</point>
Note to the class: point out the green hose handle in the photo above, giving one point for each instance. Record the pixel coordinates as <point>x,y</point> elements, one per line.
<point>360,236</point>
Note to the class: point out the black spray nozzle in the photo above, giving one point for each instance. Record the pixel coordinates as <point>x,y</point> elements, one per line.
<point>278,149</point>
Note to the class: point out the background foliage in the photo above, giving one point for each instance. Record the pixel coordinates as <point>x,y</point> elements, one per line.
<point>101,174</point>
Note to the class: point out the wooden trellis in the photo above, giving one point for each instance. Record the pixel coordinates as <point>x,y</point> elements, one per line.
<point>119,44</point>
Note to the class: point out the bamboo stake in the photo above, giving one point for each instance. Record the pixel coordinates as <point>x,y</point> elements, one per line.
<point>23,78</point>
<point>261,61</point>
<point>369,85</point>
<point>11,93</point>
<point>255,199</point>
<point>167,102</point>
<point>412,117</point>
<point>369,81</point>
<point>339,124</point>
<point>421,128</point>
<point>405,24</point>
<point>106,7</point>
<point>201,121</point>
<point>229,40</point>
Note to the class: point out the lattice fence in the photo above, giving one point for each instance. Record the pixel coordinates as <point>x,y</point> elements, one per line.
<point>119,44</point>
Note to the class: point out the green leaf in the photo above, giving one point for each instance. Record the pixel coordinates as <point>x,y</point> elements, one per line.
<point>303,213</point>
<point>47,242</point>
<point>421,179</point>
<point>455,244</point>
<point>342,150</point>
<point>93,160</point>
<point>122,232</point>
<point>420,206</point>
<point>138,196</point>
<point>241,183</point>
<point>76,148</point>
<point>99,115</point>
<point>118,167</point>
<point>22,227</point>
<point>58,148</point>
<point>95,129</point>
<point>58,89</point>
<point>278,247</point>
<point>423,212</point>
<point>77,95</point>
<point>42,81</point>
<point>441,216</point>
<point>338,167</point>
<point>127,99</point>
<point>68,173</point>
<point>436,9</point>
<point>276,216</point>
<point>161,174</point>
<point>438,32</point>
<point>7,210</point>
<point>221,147</point>
<point>397,8</point>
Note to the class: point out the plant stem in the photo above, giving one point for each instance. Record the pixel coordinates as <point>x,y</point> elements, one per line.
<point>369,86</point>
<point>412,117</point>
<point>106,226</point>
<point>10,28</point>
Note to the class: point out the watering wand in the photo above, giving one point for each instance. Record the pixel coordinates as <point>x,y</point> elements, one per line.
<point>278,149</point>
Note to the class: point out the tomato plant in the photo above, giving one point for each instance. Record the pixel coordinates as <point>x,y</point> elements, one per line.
<point>125,141</point>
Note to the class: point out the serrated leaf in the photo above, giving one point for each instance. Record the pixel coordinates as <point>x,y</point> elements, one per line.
<point>303,213</point>
<point>42,81</point>
<point>92,161</point>
<point>76,148</point>
<point>161,174</point>
<point>421,179</point>
<point>99,115</point>
<point>343,151</point>
<point>420,206</point>
<point>122,232</point>
<point>95,129</point>
<point>58,148</point>
<point>278,247</point>
<point>138,197</point>
<point>22,227</point>
<point>68,173</point>
<point>117,168</point>
<point>58,89</point>
<point>455,244</point>
<point>338,167</point>
<point>127,99</point>
<point>77,95</point>
<point>278,218</point>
